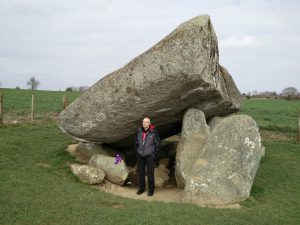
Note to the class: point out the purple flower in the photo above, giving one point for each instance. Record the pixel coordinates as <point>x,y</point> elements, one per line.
<point>118,159</point>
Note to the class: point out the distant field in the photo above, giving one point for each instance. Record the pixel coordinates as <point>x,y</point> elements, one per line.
<point>17,103</point>
<point>277,115</point>
<point>273,114</point>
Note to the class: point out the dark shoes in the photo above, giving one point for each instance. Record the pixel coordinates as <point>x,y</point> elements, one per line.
<point>150,193</point>
<point>139,192</point>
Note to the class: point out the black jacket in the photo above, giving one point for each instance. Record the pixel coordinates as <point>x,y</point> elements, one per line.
<point>152,142</point>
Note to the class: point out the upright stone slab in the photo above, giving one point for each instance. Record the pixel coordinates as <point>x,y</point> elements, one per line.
<point>214,121</point>
<point>225,172</point>
<point>193,137</point>
<point>179,72</point>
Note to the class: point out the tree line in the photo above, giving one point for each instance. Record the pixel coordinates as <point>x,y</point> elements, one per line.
<point>288,93</point>
<point>33,84</point>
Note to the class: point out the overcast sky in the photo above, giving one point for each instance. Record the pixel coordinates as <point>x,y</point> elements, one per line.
<point>75,43</point>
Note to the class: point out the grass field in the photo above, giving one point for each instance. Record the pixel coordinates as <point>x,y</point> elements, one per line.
<point>37,186</point>
<point>273,114</point>
<point>17,103</point>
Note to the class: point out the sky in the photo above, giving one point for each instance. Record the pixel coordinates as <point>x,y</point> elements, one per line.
<point>76,43</point>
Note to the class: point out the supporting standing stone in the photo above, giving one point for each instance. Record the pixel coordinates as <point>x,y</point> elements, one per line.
<point>193,136</point>
<point>225,172</point>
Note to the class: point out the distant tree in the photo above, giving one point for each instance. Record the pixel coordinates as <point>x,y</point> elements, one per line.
<point>0,84</point>
<point>267,94</point>
<point>69,89</point>
<point>78,89</point>
<point>83,88</point>
<point>17,87</point>
<point>33,83</point>
<point>289,93</point>
<point>248,95</point>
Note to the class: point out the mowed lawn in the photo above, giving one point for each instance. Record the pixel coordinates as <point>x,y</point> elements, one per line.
<point>37,187</point>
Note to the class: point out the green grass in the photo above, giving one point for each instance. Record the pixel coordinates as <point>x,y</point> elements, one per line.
<point>35,194</point>
<point>31,194</point>
<point>17,102</point>
<point>273,114</point>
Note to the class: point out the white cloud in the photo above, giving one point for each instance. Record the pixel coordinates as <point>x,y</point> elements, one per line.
<point>243,41</point>
<point>82,41</point>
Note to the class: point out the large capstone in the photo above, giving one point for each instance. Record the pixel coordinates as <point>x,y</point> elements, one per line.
<point>224,173</point>
<point>179,72</point>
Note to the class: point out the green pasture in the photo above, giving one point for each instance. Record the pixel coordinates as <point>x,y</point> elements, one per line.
<point>273,114</point>
<point>270,114</point>
<point>17,103</point>
<point>37,187</point>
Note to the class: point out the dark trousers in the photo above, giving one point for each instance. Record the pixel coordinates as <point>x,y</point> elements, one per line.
<point>144,161</point>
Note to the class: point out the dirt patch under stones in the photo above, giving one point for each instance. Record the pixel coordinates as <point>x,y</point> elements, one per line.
<point>166,194</point>
<point>169,193</point>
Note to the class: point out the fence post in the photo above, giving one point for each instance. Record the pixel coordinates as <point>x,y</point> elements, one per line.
<point>1,110</point>
<point>65,102</point>
<point>299,125</point>
<point>32,108</point>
